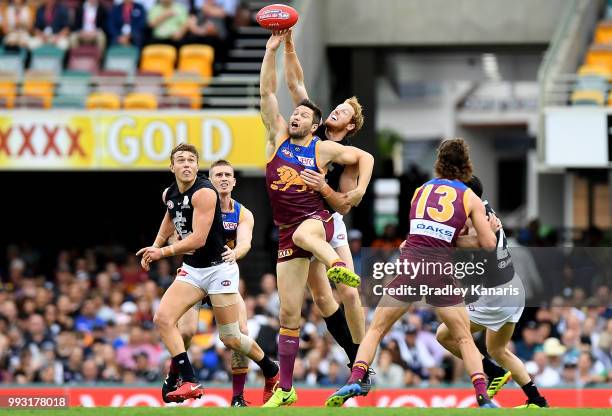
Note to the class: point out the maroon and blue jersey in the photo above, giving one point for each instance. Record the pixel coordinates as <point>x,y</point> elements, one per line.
<point>438,213</point>
<point>291,199</point>
<point>231,220</point>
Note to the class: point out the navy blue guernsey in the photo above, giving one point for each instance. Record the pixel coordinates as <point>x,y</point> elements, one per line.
<point>498,266</point>
<point>334,170</point>
<point>181,211</point>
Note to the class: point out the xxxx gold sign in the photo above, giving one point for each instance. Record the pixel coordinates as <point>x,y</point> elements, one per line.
<point>82,140</point>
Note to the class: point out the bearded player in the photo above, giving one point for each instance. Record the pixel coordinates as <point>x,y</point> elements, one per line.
<point>347,325</point>
<point>305,225</point>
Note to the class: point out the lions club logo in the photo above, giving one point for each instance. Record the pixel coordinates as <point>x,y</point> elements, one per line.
<point>287,177</point>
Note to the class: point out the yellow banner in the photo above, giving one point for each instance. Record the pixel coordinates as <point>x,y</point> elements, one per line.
<point>83,140</point>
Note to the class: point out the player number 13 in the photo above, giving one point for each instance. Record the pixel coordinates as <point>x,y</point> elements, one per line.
<point>448,195</point>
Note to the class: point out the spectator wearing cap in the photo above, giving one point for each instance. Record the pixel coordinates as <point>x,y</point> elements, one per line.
<point>545,375</point>
<point>554,351</point>
<point>414,353</point>
<point>527,345</point>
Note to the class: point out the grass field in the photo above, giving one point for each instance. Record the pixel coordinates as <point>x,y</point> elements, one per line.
<point>303,411</point>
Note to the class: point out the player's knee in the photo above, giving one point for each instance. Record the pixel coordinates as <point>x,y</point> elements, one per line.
<point>186,333</point>
<point>350,297</point>
<point>496,352</point>
<point>442,335</point>
<point>287,315</point>
<point>230,342</point>
<point>162,320</point>
<point>244,329</point>
<point>323,301</point>
<point>233,339</point>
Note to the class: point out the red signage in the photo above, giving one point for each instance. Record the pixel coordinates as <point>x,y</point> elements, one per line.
<point>125,396</point>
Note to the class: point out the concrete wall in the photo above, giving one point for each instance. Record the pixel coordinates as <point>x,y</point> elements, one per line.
<point>440,22</point>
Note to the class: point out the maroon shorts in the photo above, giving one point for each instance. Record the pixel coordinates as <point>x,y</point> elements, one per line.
<point>287,250</point>
<point>430,282</point>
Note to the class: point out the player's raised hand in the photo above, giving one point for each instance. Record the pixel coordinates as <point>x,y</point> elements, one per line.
<point>229,255</point>
<point>275,40</point>
<point>314,180</point>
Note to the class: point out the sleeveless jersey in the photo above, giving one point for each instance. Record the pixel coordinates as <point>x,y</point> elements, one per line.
<point>438,213</point>
<point>181,211</point>
<point>291,199</point>
<point>498,264</point>
<point>230,224</point>
<point>334,170</point>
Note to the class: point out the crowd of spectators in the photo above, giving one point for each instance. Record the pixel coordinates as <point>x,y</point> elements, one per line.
<point>70,23</point>
<point>89,320</point>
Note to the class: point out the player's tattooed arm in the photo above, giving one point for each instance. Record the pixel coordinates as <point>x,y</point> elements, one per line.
<point>244,233</point>
<point>270,113</point>
<point>294,75</point>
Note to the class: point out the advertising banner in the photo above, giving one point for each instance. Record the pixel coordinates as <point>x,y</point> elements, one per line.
<point>125,396</point>
<point>128,140</point>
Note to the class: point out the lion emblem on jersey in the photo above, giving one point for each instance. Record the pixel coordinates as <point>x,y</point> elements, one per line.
<point>288,176</point>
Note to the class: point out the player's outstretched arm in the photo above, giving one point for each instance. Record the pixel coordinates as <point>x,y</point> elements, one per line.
<point>244,233</point>
<point>294,75</point>
<point>478,215</point>
<point>270,113</point>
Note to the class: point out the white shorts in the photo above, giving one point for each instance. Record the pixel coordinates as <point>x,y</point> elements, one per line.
<point>340,235</point>
<point>222,278</point>
<point>493,311</point>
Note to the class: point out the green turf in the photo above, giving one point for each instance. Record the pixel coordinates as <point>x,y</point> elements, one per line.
<point>303,411</point>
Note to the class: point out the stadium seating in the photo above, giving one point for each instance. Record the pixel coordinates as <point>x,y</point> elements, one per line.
<point>140,101</point>
<point>110,81</point>
<point>158,58</point>
<point>8,89</point>
<point>38,88</point>
<point>603,33</point>
<point>122,58</point>
<point>13,61</point>
<point>149,82</point>
<point>72,89</point>
<point>594,70</point>
<point>588,97</point>
<point>198,59</point>
<point>103,101</point>
<point>187,86</point>
<point>84,58</point>
<point>48,58</point>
